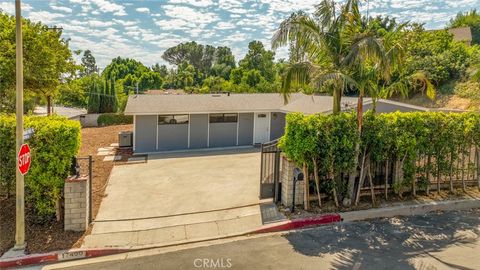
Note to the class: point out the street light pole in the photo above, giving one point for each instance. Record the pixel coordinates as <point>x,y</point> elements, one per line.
<point>20,201</point>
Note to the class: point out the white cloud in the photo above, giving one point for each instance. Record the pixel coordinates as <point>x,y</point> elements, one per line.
<point>60,8</point>
<point>9,7</point>
<point>196,3</point>
<point>143,10</point>
<point>190,15</point>
<point>225,25</point>
<point>45,16</point>
<point>124,22</point>
<point>97,23</point>
<point>111,7</point>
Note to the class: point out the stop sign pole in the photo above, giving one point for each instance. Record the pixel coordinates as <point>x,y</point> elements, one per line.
<point>20,184</point>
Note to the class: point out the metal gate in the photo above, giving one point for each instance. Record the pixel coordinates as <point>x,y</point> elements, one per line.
<point>270,171</point>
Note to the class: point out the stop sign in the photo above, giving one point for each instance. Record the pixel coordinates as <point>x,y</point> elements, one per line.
<point>24,159</point>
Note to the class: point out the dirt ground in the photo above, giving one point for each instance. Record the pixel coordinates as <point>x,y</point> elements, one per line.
<point>50,235</point>
<point>365,202</point>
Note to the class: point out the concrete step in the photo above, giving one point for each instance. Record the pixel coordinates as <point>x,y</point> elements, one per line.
<point>102,226</point>
<point>177,234</point>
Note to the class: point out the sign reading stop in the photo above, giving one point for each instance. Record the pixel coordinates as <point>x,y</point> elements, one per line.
<point>24,159</point>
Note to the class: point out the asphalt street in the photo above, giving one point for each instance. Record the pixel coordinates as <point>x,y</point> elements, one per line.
<point>446,240</point>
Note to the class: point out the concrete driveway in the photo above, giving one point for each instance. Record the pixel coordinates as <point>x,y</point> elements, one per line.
<point>179,197</point>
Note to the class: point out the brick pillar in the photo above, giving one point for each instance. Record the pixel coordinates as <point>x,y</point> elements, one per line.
<point>76,203</point>
<point>287,184</point>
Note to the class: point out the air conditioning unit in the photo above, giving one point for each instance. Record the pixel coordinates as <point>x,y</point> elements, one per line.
<point>125,139</point>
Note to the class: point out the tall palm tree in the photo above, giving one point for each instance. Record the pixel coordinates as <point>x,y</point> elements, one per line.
<point>333,49</point>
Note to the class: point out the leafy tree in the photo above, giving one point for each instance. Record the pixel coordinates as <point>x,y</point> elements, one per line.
<point>185,75</point>
<point>257,58</point>
<point>214,84</point>
<point>47,59</point>
<point>471,19</point>
<point>150,80</point>
<point>94,85</point>
<point>160,69</point>
<point>88,64</point>
<point>119,68</point>
<point>252,78</point>
<point>333,47</point>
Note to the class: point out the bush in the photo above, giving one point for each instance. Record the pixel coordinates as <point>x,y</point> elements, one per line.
<point>55,142</point>
<point>401,138</point>
<point>109,119</point>
<point>469,89</point>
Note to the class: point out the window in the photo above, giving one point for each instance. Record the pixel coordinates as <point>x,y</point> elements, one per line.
<point>173,119</point>
<point>223,118</point>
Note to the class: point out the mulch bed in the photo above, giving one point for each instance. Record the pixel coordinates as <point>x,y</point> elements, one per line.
<point>49,235</point>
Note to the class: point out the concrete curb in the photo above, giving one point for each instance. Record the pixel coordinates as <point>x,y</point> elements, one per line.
<point>56,256</point>
<point>402,210</point>
<point>300,223</point>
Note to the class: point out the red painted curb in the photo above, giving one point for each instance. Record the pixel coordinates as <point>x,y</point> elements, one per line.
<point>302,223</point>
<point>62,255</point>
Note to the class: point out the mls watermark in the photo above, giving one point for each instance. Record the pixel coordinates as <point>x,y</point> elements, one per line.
<point>214,263</point>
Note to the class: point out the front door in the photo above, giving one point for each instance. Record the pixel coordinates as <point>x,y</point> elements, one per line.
<point>262,127</point>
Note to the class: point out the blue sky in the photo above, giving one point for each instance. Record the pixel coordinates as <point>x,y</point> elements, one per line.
<point>144,29</point>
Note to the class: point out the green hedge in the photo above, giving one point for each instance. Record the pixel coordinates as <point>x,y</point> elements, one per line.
<point>403,138</point>
<point>109,119</point>
<point>55,142</point>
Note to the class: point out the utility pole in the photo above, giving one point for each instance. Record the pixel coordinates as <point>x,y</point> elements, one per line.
<point>20,201</point>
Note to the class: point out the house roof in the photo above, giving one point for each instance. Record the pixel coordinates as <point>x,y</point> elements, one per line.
<point>461,33</point>
<point>318,104</point>
<point>212,103</point>
<point>205,103</point>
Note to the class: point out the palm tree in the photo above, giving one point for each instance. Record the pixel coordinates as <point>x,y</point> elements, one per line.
<point>332,46</point>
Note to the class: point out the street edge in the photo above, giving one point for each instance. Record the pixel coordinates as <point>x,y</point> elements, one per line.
<point>299,223</point>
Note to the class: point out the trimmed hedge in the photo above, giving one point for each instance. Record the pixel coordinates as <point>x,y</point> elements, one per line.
<point>55,142</point>
<point>401,138</point>
<point>109,119</point>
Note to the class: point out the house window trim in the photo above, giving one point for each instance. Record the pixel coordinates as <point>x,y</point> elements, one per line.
<point>223,116</point>
<point>173,117</point>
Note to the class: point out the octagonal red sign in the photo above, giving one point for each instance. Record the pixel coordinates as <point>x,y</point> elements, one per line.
<point>24,159</point>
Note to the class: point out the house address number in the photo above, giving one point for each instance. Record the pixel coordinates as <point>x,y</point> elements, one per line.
<point>71,255</point>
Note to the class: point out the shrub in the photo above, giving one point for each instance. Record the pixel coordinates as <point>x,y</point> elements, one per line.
<point>109,119</point>
<point>55,142</point>
<point>401,138</point>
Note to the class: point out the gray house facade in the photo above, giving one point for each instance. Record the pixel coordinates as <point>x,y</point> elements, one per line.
<point>199,121</point>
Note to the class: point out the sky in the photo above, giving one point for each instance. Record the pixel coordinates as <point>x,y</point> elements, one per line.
<point>143,30</point>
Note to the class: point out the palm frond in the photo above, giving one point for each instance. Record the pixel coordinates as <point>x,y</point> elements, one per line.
<point>297,74</point>
<point>338,79</point>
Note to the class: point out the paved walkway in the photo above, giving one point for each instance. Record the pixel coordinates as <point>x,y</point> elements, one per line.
<point>181,197</point>
<point>448,240</point>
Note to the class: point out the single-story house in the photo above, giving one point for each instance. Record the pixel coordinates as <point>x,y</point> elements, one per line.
<point>196,121</point>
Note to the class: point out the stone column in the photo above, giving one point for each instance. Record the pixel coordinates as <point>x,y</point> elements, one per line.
<point>76,203</point>
<point>287,184</point>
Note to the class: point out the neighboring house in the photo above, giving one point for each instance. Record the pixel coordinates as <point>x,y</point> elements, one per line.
<point>462,34</point>
<point>179,122</point>
<point>166,92</point>
<point>69,112</point>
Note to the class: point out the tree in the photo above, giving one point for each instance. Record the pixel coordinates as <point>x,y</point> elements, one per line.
<point>214,84</point>
<point>88,64</point>
<point>94,86</point>
<point>150,80</point>
<point>332,48</point>
<point>160,69</point>
<point>185,75</point>
<point>47,59</point>
<point>470,19</point>
<point>259,59</point>
<point>119,68</point>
